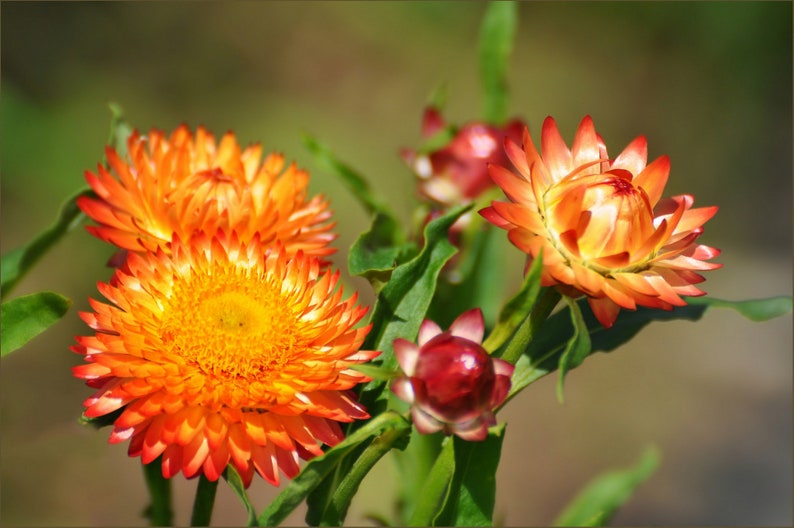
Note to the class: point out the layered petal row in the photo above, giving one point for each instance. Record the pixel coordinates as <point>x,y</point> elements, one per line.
<point>600,223</point>
<point>219,352</point>
<point>186,182</point>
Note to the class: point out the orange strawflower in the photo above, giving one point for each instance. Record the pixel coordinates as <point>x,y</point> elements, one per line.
<point>602,224</point>
<point>218,353</point>
<point>184,183</point>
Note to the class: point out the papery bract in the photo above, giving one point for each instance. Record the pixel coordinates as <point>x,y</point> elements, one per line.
<point>186,183</point>
<point>450,380</point>
<point>602,224</point>
<point>219,353</point>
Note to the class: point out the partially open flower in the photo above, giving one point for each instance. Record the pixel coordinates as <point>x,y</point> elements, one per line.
<point>217,353</point>
<point>185,183</point>
<point>451,382</point>
<point>457,172</point>
<point>602,224</point>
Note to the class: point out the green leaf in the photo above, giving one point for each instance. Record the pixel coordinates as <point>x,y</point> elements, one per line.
<point>578,346</point>
<point>517,308</point>
<point>402,303</point>
<point>26,317</point>
<point>543,354</point>
<point>17,262</point>
<point>376,372</point>
<point>598,502</point>
<point>236,483</point>
<point>755,309</point>
<point>319,468</point>
<point>376,252</point>
<point>335,513</point>
<point>473,490</point>
<point>326,159</point>
<point>398,312</point>
<point>496,43</point>
<point>101,421</point>
<point>460,489</point>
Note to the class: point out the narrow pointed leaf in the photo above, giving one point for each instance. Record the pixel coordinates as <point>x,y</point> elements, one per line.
<point>755,309</point>
<point>578,346</point>
<point>542,356</point>
<point>599,501</point>
<point>496,43</point>
<point>26,317</point>
<point>16,263</point>
<point>473,490</point>
<point>399,311</point>
<point>319,468</point>
<point>402,303</point>
<point>236,483</point>
<point>357,185</point>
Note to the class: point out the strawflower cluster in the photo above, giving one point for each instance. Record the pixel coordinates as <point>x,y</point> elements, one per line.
<point>225,338</point>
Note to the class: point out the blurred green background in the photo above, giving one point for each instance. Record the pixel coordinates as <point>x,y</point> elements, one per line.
<point>709,84</point>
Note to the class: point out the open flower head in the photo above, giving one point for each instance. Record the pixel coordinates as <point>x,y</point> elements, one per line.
<point>457,172</point>
<point>603,227</point>
<point>218,354</point>
<point>187,183</point>
<point>450,380</point>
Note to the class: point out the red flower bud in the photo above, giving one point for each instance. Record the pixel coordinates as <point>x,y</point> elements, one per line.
<point>451,381</point>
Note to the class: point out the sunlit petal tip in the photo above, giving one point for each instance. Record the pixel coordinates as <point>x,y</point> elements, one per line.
<point>490,214</point>
<point>404,390</point>
<point>469,325</point>
<point>475,431</point>
<point>425,423</point>
<point>427,331</point>
<point>634,157</point>
<point>406,354</point>
<point>556,155</point>
<point>503,368</point>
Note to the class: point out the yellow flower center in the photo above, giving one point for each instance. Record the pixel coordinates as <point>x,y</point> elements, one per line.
<point>232,323</point>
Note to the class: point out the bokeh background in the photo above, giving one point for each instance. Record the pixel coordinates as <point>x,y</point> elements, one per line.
<point>709,84</point>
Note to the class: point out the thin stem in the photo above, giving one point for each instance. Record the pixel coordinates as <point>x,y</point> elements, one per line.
<point>204,502</point>
<point>159,511</point>
<point>526,332</point>
<point>347,488</point>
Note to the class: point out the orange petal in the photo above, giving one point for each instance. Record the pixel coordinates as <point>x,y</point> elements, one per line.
<point>654,178</point>
<point>556,155</point>
<point>634,157</point>
<point>605,310</point>
<point>585,145</point>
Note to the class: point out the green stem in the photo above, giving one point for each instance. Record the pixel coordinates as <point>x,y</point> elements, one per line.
<point>159,511</point>
<point>348,487</point>
<point>204,502</point>
<point>531,325</point>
